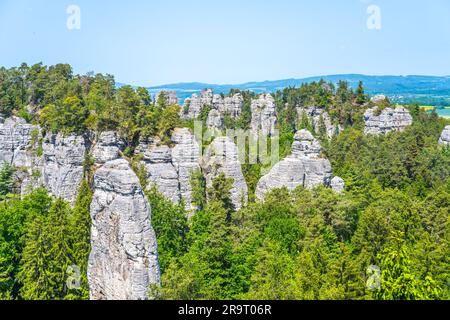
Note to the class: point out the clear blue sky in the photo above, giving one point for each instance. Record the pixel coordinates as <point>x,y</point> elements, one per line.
<point>233,41</point>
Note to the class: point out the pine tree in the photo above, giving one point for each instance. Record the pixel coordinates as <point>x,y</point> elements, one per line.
<point>6,179</point>
<point>47,255</point>
<point>80,224</point>
<point>361,97</point>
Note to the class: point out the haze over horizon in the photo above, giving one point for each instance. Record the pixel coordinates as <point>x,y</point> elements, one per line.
<point>164,42</point>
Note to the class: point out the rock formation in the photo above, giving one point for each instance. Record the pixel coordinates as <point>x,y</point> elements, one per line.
<point>338,184</point>
<point>305,167</point>
<point>220,106</point>
<point>390,119</point>
<point>157,160</point>
<point>222,156</point>
<point>264,115</point>
<point>185,158</point>
<point>315,115</point>
<point>193,106</point>
<point>124,260</point>
<point>215,120</point>
<point>445,137</point>
<point>62,165</point>
<point>107,147</point>
<point>15,139</point>
<point>170,97</point>
<point>58,166</point>
<point>233,105</point>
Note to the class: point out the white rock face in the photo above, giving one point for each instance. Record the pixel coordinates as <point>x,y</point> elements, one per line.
<point>221,156</point>
<point>232,105</point>
<point>445,137</point>
<point>160,170</point>
<point>108,147</point>
<point>15,139</point>
<point>222,105</point>
<point>264,115</point>
<point>124,260</point>
<point>170,97</point>
<point>305,167</point>
<point>62,165</point>
<point>315,114</point>
<point>215,120</point>
<point>390,119</point>
<point>185,158</point>
<point>196,103</point>
<point>378,98</point>
<point>338,184</point>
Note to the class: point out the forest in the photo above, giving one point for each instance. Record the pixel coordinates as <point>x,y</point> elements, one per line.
<point>296,245</point>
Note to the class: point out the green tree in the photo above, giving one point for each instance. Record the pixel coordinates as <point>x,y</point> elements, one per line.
<point>47,255</point>
<point>6,179</point>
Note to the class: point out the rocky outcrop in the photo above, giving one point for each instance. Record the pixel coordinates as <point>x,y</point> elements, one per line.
<point>264,115</point>
<point>124,260</point>
<point>15,141</point>
<point>185,158</point>
<point>215,120</point>
<point>318,117</point>
<point>62,165</point>
<point>389,119</point>
<point>229,105</point>
<point>379,98</point>
<point>220,106</point>
<point>445,137</point>
<point>193,106</point>
<point>170,97</point>
<point>305,167</point>
<point>161,173</point>
<point>338,184</point>
<point>107,147</point>
<point>59,166</point>
<point>222,156</point>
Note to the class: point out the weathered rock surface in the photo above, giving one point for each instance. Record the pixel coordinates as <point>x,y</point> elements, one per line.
<point>107,147</point>
<point>161,172</point>
<point>124,260</point>
<point>222,105</point>
<point>338,184</point>
<point>193,106</point>
<point>264,115</point>
<point>379,98</point>
<point>229,105</point>
<point>62,165</point>
<point>445,137</point>
<point>305,167</point>
<point>185,158</point>
<point>221,156</point>
<point>15,139</point>
<point>170,97</point>
<point>316,116</point>
<point>215,120</point>
<point>390,119</point>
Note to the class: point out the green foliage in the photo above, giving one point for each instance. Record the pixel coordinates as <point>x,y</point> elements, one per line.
<point>220,192</point>
<point>6,179</point>
<point>171,228</point>
<point>198,185</point>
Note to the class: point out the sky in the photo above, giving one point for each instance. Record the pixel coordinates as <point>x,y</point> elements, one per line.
<point>154,42</point>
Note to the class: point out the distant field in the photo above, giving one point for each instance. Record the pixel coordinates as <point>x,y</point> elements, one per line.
<point>443,112</point>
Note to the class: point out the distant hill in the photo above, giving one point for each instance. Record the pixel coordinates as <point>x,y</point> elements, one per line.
<point>424,90</point>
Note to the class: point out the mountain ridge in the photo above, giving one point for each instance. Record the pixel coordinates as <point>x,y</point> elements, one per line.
<point>403,89</point>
